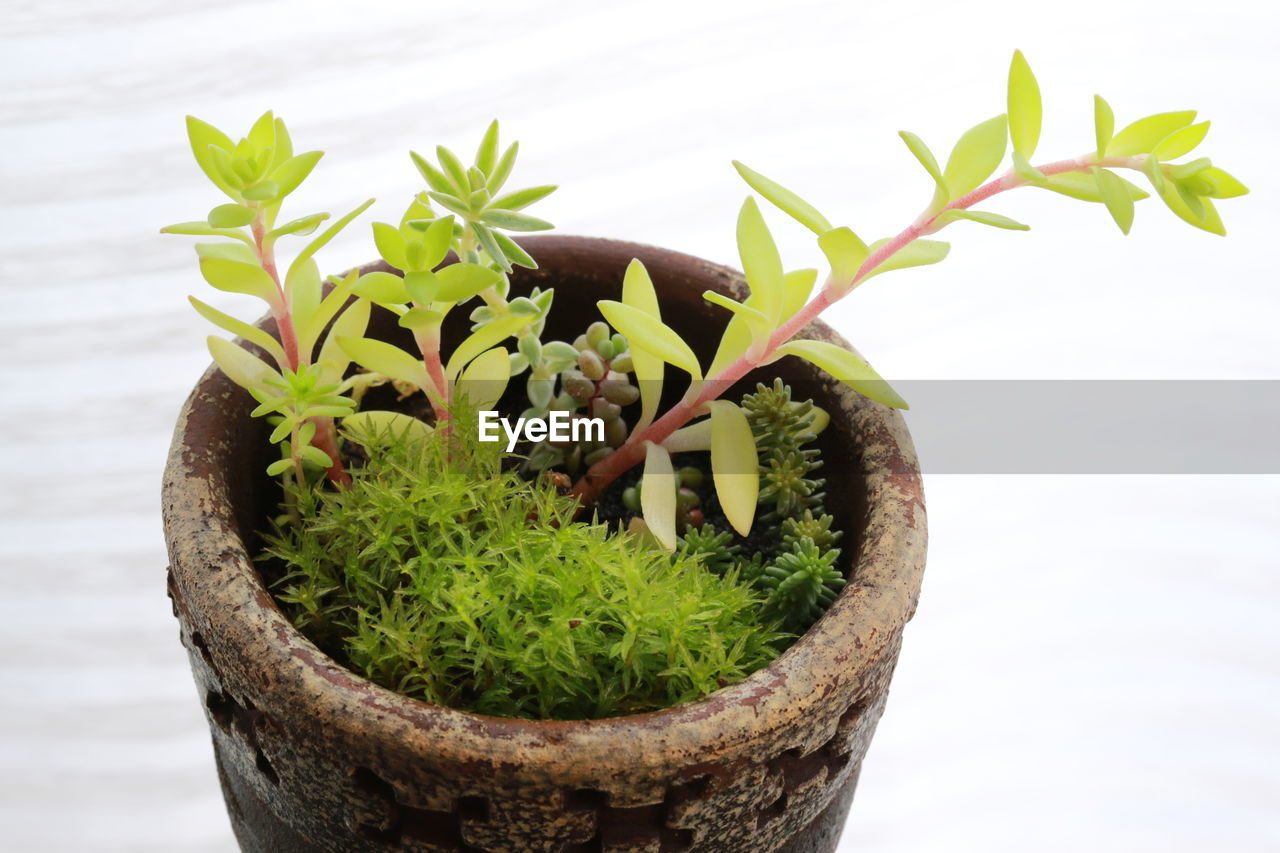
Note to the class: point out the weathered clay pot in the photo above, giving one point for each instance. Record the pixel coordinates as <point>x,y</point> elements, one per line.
<point>313,757</point>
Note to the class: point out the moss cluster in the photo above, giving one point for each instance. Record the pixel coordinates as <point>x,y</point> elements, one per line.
<point>439,574</point>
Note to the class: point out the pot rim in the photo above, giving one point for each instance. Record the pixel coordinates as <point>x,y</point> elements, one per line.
<point>210,563</point>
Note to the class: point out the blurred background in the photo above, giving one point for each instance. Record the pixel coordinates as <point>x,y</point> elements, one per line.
<point>1095,663</point>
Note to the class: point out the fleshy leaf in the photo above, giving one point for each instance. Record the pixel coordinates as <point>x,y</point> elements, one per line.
<point>202,135</point>
<point>1181,142</point>
<point>977,154</point>
<point>759,324</point>
<point>522,198</point>
<point>922,153</point>
<point>995,220</point>
<point>459,282</point>
<point>1144,134</point>
<point>734,464</point>
<point>689,439</point>
<point>241,366</point>
<point>238,327</point>
<point>1104,125</point>
<point>846,366</point>
<point>485,378</point>
<point>917,253</point>
<point>846,253</point>
<point>1116,197</point>
<point>328,234</point>
<point>784,199</point>
<point>645,332</point>
<point>391,244</point>
<point>1024,106</point>
<point>292,172</point>
<point>797,287</point>
<point>658,495</point>
<point>351,323</point>
<point>760,261</point>
<point>638,292</point>
<point>1224,184</point>
<point>384,358</point>
<point>1084,187</point>
<point>238,277</point>
<point>487,336</point>
<point>231,216</point>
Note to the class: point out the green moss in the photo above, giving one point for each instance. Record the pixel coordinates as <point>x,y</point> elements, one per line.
<point>445,577</point>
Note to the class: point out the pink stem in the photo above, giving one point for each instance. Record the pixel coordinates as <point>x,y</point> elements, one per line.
<point>604,472</point>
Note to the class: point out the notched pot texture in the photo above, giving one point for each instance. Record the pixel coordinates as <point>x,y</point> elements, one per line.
<point>314,758</point>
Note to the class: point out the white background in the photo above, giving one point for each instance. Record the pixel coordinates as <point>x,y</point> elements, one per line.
<point>1094,663</point>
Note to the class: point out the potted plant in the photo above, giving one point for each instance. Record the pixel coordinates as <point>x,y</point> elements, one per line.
<point>461,570</point>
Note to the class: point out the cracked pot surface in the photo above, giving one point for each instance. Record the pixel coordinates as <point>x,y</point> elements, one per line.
<point>315,758</point>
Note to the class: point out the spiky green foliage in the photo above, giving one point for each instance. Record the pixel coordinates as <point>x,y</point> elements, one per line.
<point>802,584</point>
<point>716,549</point>
<point>438,574</point>
<point>816,528</point>
<point>783,428</point>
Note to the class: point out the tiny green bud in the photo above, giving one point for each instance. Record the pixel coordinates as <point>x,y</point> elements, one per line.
<point>622,363</point>
<point>690,477</point>
<point>619,342</point>
<point>687,499</point>
<point>631,498</point>
<point>580,343</point>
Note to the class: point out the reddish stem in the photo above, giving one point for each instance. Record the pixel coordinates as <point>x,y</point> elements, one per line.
<point>604,472</point>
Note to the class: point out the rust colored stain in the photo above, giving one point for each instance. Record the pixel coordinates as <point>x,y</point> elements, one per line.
<point>315,758</point>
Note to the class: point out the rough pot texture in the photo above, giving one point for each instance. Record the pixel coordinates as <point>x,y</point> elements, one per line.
<point>313,757</point>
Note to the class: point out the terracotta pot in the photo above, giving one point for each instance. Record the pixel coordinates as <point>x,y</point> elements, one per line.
<point>314,757</point>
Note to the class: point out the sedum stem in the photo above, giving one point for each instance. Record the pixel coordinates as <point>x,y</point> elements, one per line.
<point>597,478</point>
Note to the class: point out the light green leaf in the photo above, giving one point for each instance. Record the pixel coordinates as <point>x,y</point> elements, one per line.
<point>690,439</point>
<point>315,456</point>
<point>202,135</point>
<point>658,495</point>
<point>639,293</point>
<point>917,253</point>
<point>263,132</point>
<point>759,324</point>
<point>454,171</point>
<point>420,318</point>
<point>351,323</point>
<point>459,282</point>
<point>1104,125</point>
<point>1224,184</point>
<point>238,277</point>
<point>502,171</point>
<point>423,287</point>
<point>485,378</point>
<point>522,198</point>
<point>203,229</point>
<point>513,221</point>
<point>283,143</point>
<point>846,253</point>
<point>231,216</point>
<point>1206,219</point>
<point>328,234</point>
<point>735,464</point>
<point>264,191</point>
<point>993,219</point>
<point>487,336</point>
<point>514,254</point>
<point>241,366</point>
<point>301,226</point>
<point>1084,187</point>
<point>922,153</point>
<point>1024,106</point>
<point>847,367</point>
<point>645,332</point>
<point>382,357</point>
<point>385,429</point>
<point>734,343</point>
<point>238,327</point>
<point>760,261</point>
<point>784,199</point>
<point>305,290</point>
<point>797,287</point>
<point>433,176</point>
<point>977,154</point>
<point>1144,134</point>
<point>1025,170</point>
<point>292,172</point>
<point>228,252</point>
<point>488,239</point>
<point>1181,142</point>
<point>487,153</point>
<point>309,331</point>
<point>1116,197</point>
<point>391,244</point>
<point>275,469</point>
